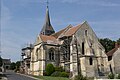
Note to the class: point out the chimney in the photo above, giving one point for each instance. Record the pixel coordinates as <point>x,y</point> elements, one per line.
<point>117,45</point>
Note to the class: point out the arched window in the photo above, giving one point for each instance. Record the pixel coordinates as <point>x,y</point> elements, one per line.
<point>91,61</point>
<point>51,54</point>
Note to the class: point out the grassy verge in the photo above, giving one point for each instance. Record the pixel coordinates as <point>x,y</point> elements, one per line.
<point>51,78</point>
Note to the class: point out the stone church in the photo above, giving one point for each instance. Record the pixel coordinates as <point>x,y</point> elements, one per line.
<point>75,48</point>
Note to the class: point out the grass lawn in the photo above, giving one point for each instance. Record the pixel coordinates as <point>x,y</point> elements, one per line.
<point>51,78</point>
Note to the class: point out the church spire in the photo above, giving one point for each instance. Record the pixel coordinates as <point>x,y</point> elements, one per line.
<point>47,27</point>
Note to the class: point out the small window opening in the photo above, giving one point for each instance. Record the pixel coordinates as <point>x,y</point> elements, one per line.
<point>86,32</point>
<point>91,61</point>
<point>83,52</point>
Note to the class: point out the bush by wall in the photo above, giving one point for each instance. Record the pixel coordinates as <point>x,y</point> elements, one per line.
<point>80,77</point>
<point>56,74</point>
<point>49,69</point>
<point>118,77</point>
<point>60,69</point>
<point>111,76</point>
<point>64,74</point>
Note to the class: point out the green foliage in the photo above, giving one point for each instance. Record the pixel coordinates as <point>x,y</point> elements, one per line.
<point>118,41</point>
<point>107,43</point>
<point>12,66</point>
<point>51,78</point>
<point>59,69</point>
<point>18,64</point>
<point>118,77</point>
<point>111,76</point>
<point>56,74</point>
<point>64,74</point>
<point>60,74</point>
<point>1,63</point>
<point>50,69</point>
<point>80,77</point>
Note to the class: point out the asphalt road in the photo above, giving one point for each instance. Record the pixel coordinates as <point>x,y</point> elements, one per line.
<point>13,76</point>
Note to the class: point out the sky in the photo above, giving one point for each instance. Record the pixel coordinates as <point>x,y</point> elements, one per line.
<point>21,20</point>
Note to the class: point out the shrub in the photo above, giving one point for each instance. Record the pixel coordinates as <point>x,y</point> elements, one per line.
<point>50,69</point>
<point>111,76</point>
<point>64,74</point>
<point>80,77</point>
<point>118,77</point>
<point>56,74</point>
<point>60,69</point>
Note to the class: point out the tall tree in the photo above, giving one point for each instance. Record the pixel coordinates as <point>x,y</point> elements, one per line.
<point>18,64</point>
<point>107,43</point>
<point>12,66</point>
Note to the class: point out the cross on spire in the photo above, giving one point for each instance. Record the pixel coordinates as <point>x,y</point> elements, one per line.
<point>47,27</point>
<point>47,3</point>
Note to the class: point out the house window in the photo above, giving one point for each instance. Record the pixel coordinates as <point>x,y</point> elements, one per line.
<point>51,54</point>
<point>86,32</point>
<point>83,52</point>
<point>91,61</point>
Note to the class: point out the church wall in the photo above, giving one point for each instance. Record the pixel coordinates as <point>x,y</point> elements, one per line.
<point>56,58</point>
<point>92,46</point>
<point>37,58</point>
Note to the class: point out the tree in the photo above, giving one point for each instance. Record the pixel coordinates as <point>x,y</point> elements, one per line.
<point>107,43</point>
<point>12,66</point>
<point>1,63</point>
<point>18,64</point>
<point>50,69</point>
<point>118,41</point>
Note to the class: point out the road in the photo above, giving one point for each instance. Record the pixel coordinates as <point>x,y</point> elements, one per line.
<point>13,76</point>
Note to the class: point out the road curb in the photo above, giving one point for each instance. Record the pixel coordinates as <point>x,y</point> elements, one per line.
<point>3,78</point>
<point>28,76</point>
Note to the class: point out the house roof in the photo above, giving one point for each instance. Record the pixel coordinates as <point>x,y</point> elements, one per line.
<point>70,31</point>
<point>57,34</point>
<point>111,52</point>
<point>46,38</point>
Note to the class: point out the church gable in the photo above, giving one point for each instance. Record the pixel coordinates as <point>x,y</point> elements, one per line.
<point>38,40</point>
<point>85,34</point>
